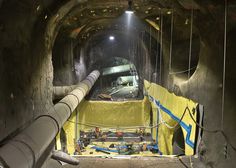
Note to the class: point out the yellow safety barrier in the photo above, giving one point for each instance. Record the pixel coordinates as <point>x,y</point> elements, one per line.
<point>107,114</point>
<point>69,128</point>
<point>114,114</point>
<point>170,110</point>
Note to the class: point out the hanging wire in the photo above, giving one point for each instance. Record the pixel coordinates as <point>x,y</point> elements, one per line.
<point>190,45</point>
<point>212,131</point>
<point>112,126</point>
<point>157,53</point>
<point>142,53</point>
<point>165,122</point>
<point>191,163</point>
<point>150,50</point>
<point>190,53</point>
<point>160,76</point>
<point>156,57</point>
<point>150,38</point>
<point>184,71</point>
<point>171,44</point>
<point>182,162</point>
<point>224,67</point>
<point>171,40</point>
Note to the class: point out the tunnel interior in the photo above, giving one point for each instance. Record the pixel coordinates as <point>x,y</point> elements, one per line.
<point>149,54</point>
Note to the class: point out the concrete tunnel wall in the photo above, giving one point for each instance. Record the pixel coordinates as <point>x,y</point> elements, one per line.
<point>28,32</point>
<point>26,72</point>
<point>205,86</point>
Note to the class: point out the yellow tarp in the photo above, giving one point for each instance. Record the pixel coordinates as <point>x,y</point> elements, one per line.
<point>69,128</point>
<point>171,109</point>
<point>107,114</point>
<point>114,114</point>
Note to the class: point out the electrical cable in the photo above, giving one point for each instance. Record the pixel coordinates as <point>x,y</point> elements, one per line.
<point>184,71</point>
<point>180,148</point>
<point>112,127</point>
<point>190,44</point>
<point>181,161</point>
<point>171,40</point>
<point>212,131</point>
<point>157,39</point>
<point>167,125</point>
<point>150,50</point>
<point>171,44</point>
<point>191,163</point>
<point>161,47</point>
<point>203,128</point>
<point>190,52</point>
<point>142,52</point>
<point>224,67</point>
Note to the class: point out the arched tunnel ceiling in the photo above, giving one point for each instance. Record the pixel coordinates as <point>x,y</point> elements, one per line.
<point>28,29</point>
<point>94,19</point>
<point>82,16</point>
<point>94,16</point>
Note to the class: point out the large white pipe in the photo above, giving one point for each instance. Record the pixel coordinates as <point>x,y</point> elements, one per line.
<point>64,157</point>
<point>27,147</point>
<point>125,80</point>
<point>118,69</point>
<point>61,91</point>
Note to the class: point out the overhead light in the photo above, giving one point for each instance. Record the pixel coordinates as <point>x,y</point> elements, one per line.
<point>186,21</point>
<point>129,10</point>
<point>168,12</point>
<point>111,38</point>
<point>38,7</point>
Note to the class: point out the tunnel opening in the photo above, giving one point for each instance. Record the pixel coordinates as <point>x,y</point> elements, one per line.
<point>173,55</point>
<point>185,49</point>
<point>119,81</point>
<point>178,142</point>
<point>63,60</point>
<point>121,114</point>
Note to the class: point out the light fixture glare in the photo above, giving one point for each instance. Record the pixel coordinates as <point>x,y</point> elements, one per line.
<point>129,12</point>
<point>111,38</point>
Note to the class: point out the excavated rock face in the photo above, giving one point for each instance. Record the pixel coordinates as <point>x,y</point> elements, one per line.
<point>58,42</point>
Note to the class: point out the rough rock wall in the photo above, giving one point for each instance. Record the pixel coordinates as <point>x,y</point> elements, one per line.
<point>206,85</point>
<point>26,75</point>
<point>26,70</point>
<point>28,30</point>
<point>63,63</point>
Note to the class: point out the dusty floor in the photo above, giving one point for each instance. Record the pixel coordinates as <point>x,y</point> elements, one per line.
<point>142,162</point>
